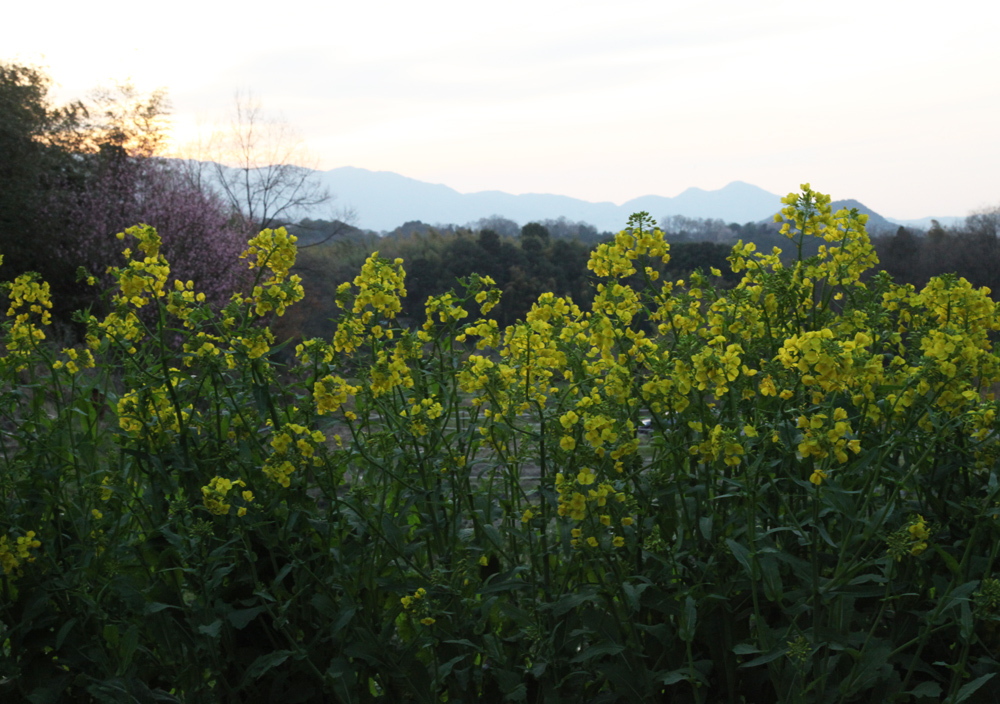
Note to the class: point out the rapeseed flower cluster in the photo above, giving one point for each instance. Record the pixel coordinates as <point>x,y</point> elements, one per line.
<point>14,555</point>
<point>313,351</point>
<point>182,301</point>
<point>444,307</point>
<point>639,240</point>
<point>254,344</point>
<point>75,360</point>
<point>372,308</point>
<point>822,437</point>
<point>416,606</point>
<point>381,285</point>
<point>215,493</point>
<point>273,253</point>
<point>911,539</point>
<point>331,392</point>
<point>202,345</point>
<point>30,304</point>
<point>294,447</point>
<point>421,413</point>
<point>142,280</point>
<point>151,415</point>
<point>588,505</point>
<point>717,443</point>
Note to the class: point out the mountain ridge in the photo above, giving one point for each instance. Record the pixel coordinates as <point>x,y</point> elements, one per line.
<point>381,201</point>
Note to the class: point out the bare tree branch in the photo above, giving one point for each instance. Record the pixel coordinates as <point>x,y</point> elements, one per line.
<point>263,168</point>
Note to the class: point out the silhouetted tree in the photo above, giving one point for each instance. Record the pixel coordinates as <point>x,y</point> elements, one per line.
<point>259,164</point>
<point>37,141</point>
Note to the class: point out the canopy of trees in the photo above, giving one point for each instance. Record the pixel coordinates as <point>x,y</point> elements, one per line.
<point>971,251</point>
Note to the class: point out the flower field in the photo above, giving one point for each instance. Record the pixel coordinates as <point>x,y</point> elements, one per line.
<point>812,515</point>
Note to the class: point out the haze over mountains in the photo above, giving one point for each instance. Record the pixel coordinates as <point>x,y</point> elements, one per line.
<point>382,201</point>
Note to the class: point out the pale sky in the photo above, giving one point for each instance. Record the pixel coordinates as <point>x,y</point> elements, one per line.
<point>894,104</point>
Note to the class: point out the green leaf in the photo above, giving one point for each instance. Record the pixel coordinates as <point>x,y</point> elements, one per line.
<point>570,601</point>
<point>64,631</point>
<point>869,663</point>
<point>493,535</point>
<point>218,575</point>
<point>926,689</point>
<point>949,561</point>
<point>241,617</point>
<point>393,534</point>
<point>764,659</point>
<point>264,663</point>
<point>745,649</point>
<point>968,690</point>
<point>129,643</point>
<point>705,525</point>
<point>965,621</point>
<point>742,555</point>
<point>633,593</point>
<point>674,676</point>
<point>598,650</point>
<point>110,633</point>
<point>689,620</point>
<point>279,578</point>
<point>502,583</point>
<point>324,604</point>
<point>825,535</point>
<point>49,692</point>
<point>212,629</point>
<point>445,669</point>
<point>771,577</point>
<point>344,618</point>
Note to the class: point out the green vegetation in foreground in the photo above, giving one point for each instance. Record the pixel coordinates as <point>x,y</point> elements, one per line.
<point>814,518</point>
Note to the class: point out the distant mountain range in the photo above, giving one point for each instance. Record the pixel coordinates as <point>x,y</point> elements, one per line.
<point>382,201</point>
<point>877,223</point>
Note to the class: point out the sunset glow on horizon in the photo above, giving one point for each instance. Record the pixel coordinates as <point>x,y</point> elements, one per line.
<point>897,108</point>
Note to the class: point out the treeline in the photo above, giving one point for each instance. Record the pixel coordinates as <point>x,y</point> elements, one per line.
<point>552,256</point>
<point>558,228</point>
<point>523,261</point>
<point>523,266</point>
<point>970,250</point>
